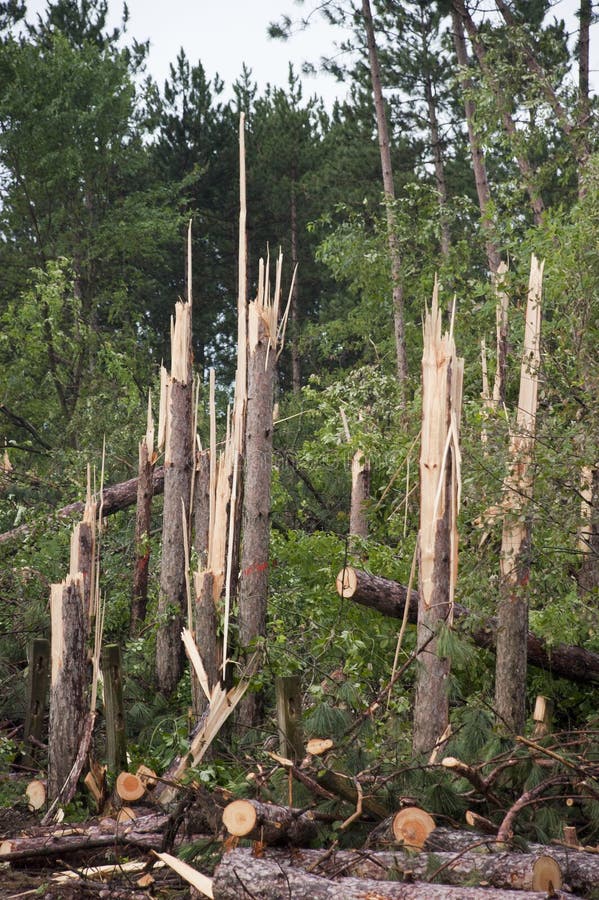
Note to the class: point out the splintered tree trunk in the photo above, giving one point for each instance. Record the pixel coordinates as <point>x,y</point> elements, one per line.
<point>442,374</point>
<point>178,472</point>
<point>68,708</point>
<point>253,581</point>
<point>512,617</point>
<point>143,527</point>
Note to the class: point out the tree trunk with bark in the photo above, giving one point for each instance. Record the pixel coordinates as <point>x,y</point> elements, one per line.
<point>268,823</point>
<point>178,473</point>
<point>389,192</point>
<point>512,618</point>
<point>68,706</point>
<point>442,375</point>
<point>389,597</point>
<point>253,578</point>
<point>143,527</point>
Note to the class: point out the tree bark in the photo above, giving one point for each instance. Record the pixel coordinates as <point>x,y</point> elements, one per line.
<point>68,708</point>
<point>179,463</point>
<point>389,192</point>
<point>388,598</point>
<point>253,579</point>
<point>511,871</point>
<point>296,369</point>
<point>143,527</point>
<point>442,374</point>
<point>268,823</point>
<point>512,613</point>
<point>476,151</point>
<point>241,875</point>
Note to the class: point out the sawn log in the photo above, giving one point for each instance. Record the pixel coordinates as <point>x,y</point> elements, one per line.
<point>242,875</point>
<point>389,598</point>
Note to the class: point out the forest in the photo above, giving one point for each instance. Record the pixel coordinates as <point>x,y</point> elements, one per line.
<point>299,464</point>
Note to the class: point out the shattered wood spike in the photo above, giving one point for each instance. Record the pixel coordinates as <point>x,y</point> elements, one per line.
<point>268,823</point>
<point>201,882</point>
<point>36,794</point>
<point>129,787</point>
<point>412,826</point>
<point>547,875</point>
<point>163,407</point>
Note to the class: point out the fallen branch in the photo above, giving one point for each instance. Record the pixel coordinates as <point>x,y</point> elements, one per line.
<point>114,498</point>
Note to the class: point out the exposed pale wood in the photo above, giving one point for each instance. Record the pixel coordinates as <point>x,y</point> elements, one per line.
<point>36,794</point>
<point>188,873</point>
<point>147,776</point>
<point>318,746</point>
<point>125,814</point>
<point>547,875</point>
<point>442,376</point>
<point>542,716</point>
<point>412,826</point>
<point>268,823</point>
<point>388,598</point>
<point>360,494</point>
<point>129,787</point>
<point>512,615</point>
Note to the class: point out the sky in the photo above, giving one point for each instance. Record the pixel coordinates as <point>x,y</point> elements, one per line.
<point>226,33</point>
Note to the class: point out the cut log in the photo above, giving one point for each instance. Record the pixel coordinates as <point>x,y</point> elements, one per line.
<point>412,826</point>
<point>114,498</point>
<point>145,831</point>
<point>516,871</point>
<point>36,794</point>
<point>241,875</point>
<point>318,746</point>
<point>147,776</point>
<point>388,598</point>
<point>129,787</point>
<point>268,823</point>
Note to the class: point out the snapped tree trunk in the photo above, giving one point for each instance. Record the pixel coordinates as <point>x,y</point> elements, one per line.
<point>68,707</point>
<point>178,473</point>
<point>442,375</point>
<point>253,578</point>
<point>512,618</point>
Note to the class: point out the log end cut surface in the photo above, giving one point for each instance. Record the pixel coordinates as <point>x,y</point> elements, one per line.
<point>239,818</point>
<point>412,826</point>
<point>547,875</point>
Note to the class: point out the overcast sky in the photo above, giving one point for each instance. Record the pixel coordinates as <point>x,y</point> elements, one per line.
<point>226,33</point>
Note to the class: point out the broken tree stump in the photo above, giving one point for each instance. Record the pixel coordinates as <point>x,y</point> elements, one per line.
<point>116,739</point>
<point>288,691</point>
<point>68,709</point>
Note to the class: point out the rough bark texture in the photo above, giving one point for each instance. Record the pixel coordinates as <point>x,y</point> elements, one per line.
<point>143,527</point>
<point>437,551</point>
<point>476,151</point>
<point>388,598</point>
<point>241,875</point>
<point>499,870</point>
<point>253,579</point>
<point>172,604</point>
<point>206,629</point>
<point>268,823</point>
<point>512,613</point>
<point>360,494</point>
<point>389,191</point>
<point>82,560</point>
<point>68,709</point>
<point>114,499</point>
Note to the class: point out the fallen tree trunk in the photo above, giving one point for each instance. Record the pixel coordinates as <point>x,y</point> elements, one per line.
<point>114,498</point>
<point>389,597</point>
<point>516,871</point>
<point>55,840</point>
<point>268,823</point>
<point>241,875</point>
